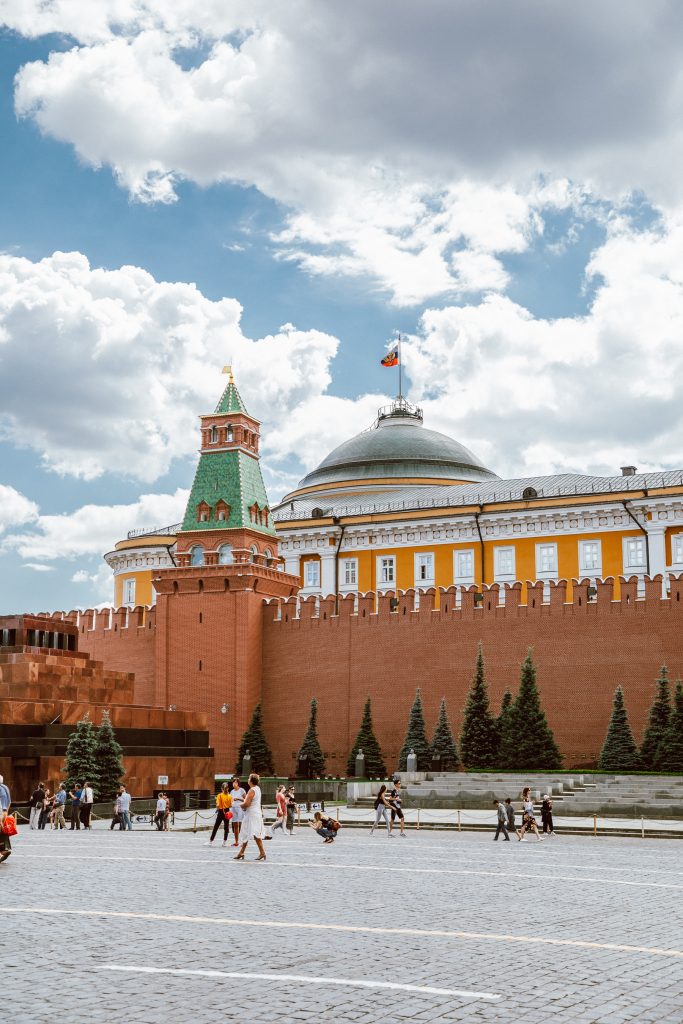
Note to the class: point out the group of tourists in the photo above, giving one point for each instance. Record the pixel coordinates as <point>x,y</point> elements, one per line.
<point>49,808</point>
<point>506,817</point>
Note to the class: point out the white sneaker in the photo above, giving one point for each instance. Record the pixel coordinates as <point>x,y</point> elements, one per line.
<point>402,835</point>
<point>209,842</point>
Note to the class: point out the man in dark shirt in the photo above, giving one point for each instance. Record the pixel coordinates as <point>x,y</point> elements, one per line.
<point>502,818</point>
<point>36,805</point>
<point>510,811</point>
<point>75,797</point>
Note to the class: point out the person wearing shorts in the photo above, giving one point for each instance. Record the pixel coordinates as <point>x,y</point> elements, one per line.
<point>395,806</point>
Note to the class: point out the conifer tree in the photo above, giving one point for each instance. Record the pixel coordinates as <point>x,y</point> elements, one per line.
<point>108,755</point>
<point>443,744</point>
<point>671,749</point>
<point>367,742</point>
<point>658,720</point>
<point>416,738</point>
<point>502,722</point>
<point>528,743</point>
<point>619,751</point>
<point>254,741</point>
<point>310,748</point>
<point>478,739</point>
<point>79,763</point>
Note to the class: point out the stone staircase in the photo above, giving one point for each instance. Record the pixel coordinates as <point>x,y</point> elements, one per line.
<point>580,795</point>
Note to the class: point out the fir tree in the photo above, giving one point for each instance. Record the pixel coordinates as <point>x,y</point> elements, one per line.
<point>502,722</point>
<point>254,741</point>
<point>108,755</point>
<point>443,744</point>
<point>310,748</point>
<point>528,743</point>
<point>478,739</point>
<point>658,720</point>
<point>80,764</point>
<point>670,755</point>
<point>367,742</point>
<point>619,751</point>
<point>416,739</point>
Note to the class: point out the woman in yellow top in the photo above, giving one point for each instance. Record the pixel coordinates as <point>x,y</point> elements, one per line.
<point>223,815</point>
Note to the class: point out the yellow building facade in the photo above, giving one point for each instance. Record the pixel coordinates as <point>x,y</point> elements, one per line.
<point>400,506</point>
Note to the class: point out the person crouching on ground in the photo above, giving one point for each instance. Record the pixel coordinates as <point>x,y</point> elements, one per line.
<point>528,819</point>
<point>547,815</point>
<point>502,818</point>
<point>322,826</point>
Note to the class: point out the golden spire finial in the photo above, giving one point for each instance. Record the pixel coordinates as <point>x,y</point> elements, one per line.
<point>228,370</point>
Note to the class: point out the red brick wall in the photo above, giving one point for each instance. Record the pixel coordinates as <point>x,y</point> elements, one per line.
<point>582,651</point>
<point>124,640</point>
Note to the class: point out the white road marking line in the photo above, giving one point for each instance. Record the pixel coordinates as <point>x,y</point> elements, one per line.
<point>305,979</point>
<point>446,933</point>
<point>337,866</point>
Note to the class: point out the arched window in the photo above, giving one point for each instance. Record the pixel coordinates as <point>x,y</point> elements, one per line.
<point>254,552</point>
<point>268,556</point>
<point>225,556</point>
<point>203,512</point>
<point>222,511</point>
<point>197,555</point>
<point>214,435</point>
<point>230,437</point>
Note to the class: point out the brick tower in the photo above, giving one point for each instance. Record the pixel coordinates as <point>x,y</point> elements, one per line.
<point>209,606</point>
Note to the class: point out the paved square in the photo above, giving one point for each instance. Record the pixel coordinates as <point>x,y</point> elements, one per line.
<point>130,927</point>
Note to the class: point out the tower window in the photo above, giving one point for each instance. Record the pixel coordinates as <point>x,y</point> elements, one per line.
<point>230,436</point>
<point>254,552</point>
<point>312,574</point>
<point>197,555</point>
<point>129,592</point>
<point>225,556</point>
<point>203,512</point>
<point>214,435</point>
<point>268,556</point>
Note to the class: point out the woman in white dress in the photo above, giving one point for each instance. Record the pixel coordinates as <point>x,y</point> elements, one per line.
<point>252,824</point>
<point>238,795</point>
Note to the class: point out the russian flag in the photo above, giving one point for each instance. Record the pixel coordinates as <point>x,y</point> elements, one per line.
<point>391,358</point>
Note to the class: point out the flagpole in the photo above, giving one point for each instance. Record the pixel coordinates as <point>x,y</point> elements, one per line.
<point>400,370</point>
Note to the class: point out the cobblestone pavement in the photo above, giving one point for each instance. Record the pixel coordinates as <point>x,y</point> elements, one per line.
<point>96,927</point>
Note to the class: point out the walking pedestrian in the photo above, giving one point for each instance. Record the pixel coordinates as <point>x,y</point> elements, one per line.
<point>547,816</point>
<point>59,804</point>
<point>510,811</point>
<point>75,797</point>
<point>502,819</point>
<point>116,817</point>
<point>87,800</point>
<point>160,813</point>
<point>238,794</point>
<point>395,805</point>
<point>323,827</point>
<point>36,805</point>
<point>528,819</point>
<point>291,809</point>
<point>280,813</point>
<point>124,805</point>
<point>46,809</point>
<point>252,823</point>
<point>5,804</point>
<point>167,814</point>
<point>382,807</point>
<point>223,814</point>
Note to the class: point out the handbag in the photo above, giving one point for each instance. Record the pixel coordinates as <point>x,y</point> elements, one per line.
<point>9,826</point>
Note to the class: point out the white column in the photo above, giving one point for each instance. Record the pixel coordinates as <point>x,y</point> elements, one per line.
<point>327,573</point>
<point>293,564</point>
<point>655,536</point>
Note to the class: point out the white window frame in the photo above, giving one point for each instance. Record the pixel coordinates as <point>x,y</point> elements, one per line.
<point>424,560</point>
<point>584,568</point>
<point>501,575</point>
<point>634,568</point>
<point>459,577</point>
<point>129,590</point>
<point>677,549</point>
<point>383,584</point>
<point>348,567</point>
<point>312,574</point>
<point>541,573</point>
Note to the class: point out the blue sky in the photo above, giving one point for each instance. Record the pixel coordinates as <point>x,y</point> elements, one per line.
<point>213,188</point>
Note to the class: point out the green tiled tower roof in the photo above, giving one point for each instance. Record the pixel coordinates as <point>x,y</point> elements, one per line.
<point>231,400</point>
<point>235,478</point>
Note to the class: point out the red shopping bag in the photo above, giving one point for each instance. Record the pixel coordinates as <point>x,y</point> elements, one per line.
<point>9,826</point>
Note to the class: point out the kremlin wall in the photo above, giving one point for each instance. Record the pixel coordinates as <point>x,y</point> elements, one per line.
<point>429,553</point>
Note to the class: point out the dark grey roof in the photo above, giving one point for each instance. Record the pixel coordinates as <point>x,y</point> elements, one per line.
<point>485,492</point>
<point>398,450</point>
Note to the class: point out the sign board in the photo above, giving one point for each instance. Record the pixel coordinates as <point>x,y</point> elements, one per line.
<point>316,807</point>
<point>162,780</point>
